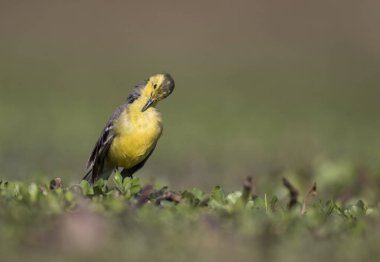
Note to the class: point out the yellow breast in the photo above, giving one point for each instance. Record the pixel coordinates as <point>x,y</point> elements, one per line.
<point>136,136</point>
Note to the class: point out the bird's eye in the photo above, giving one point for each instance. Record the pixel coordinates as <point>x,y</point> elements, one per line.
<point>155,86</point>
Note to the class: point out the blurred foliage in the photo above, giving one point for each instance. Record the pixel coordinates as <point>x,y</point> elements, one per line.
<point>260,86</point>
<point>136,221</point>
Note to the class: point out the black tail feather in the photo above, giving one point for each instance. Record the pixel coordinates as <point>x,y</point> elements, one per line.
<point>89,177</point>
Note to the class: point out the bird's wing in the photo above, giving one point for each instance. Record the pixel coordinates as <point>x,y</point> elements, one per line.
<point>95,163</point>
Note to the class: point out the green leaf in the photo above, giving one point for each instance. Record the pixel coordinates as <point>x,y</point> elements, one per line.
<point>135,186</point>
<point>33,192</point>
<point>217,194</point>
<point>87,189</point>
<point>69,196</point>
<point>360,204</point>
<point>118,180</point>
<point>234,197</point>
<point>127,184</point>
<point>100,187</point>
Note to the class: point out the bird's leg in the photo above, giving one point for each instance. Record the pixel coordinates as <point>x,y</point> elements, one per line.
<point>126,173</point>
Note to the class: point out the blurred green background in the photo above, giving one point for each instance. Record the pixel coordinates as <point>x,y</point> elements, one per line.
<point>260,86</point>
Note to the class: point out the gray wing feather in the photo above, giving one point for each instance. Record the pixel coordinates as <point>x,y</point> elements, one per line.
<point>95,163</point>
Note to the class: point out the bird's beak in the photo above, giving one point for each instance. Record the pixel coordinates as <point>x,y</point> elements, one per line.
<point>147,105</point>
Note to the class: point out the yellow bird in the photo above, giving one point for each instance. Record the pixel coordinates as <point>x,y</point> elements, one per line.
<point>132,132</point>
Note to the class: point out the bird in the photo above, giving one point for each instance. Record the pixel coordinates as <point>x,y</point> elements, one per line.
<point>131,133</point>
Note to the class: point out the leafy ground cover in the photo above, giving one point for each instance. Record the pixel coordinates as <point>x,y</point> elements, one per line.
<point>129,219</point>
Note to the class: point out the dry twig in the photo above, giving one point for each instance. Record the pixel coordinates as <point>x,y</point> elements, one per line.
<point>293,193</point>
<point>313,192</point>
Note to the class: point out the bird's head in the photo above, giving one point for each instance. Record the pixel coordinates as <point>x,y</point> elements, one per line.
<point>157,88</point>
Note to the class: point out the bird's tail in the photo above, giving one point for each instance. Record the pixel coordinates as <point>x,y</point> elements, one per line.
<point>91,177</point>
